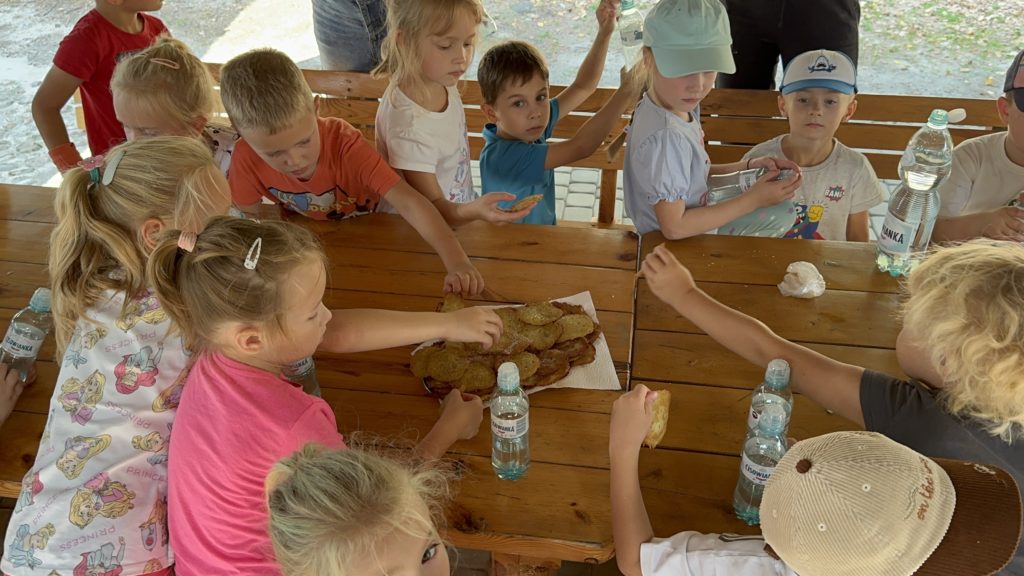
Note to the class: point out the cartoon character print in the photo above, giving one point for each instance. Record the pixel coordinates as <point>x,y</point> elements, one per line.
<point>155,527</point>
<point>100,496</point>
<point>335,204</point>
<point>155,443</point>
<point>807,220</point>
<point>153,565</point>
<point>80,397</point>
<point>21,551</point>
<point>78,451</point>
<point>81,341</point>
<point>30,487</point>
<point>101,562</point>
<point>462,187</point>
<point>171,396</point>
<point>145,308</point>
<point>138,369</point>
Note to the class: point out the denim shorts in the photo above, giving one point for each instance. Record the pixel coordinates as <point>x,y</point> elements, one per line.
<point>349,33</point>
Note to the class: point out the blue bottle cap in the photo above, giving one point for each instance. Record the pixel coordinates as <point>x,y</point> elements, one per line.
<point>773,420</point>
<point>508,376</point>
<point>777,373</point>
<point>40,301</point>
<point>938,119</point>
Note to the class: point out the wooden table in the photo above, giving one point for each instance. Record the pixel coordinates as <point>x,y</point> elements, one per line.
<point>560,510</point>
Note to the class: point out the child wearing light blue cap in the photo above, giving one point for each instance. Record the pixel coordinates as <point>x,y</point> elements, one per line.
<point>686,45</point>
<point>818,94</point>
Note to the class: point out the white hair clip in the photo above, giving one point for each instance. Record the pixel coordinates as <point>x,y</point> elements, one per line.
<point>254,254</point>
<point>111,166</point>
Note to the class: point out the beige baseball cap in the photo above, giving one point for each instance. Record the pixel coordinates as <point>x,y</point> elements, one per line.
<point>858,503</point>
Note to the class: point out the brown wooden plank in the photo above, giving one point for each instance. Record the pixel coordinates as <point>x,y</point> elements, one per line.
<point>698,359</point>
<point>837,317</point>
<point>26,203</point>
<point>606,207</point>
<point>763,261</point>
<point>26,242</point>
<point>21,435</point>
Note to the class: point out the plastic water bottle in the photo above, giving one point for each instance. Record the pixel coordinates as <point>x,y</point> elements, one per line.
<point>510,425</point>
<point>774,390</point>
<point>768,222</point>
<point>631,32</point>
<point>25,336</point>
<point>760,456</point>
<point>304,372</point>
<point>914,204</point>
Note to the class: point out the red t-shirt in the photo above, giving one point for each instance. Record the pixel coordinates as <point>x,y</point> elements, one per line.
<point>90,52</point>
<point>350,177</point>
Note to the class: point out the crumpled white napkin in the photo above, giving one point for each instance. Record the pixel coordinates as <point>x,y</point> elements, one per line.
<point>802,281</point>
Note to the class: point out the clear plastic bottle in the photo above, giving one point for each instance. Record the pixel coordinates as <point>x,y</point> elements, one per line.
<point>757,462</point>
<point>767,222</point>
<point>914,204</point>
<point>774,390</point>
<point>26,333</point>
<point>631,31</point>
<point>510,425</point>
<point>304,372</point>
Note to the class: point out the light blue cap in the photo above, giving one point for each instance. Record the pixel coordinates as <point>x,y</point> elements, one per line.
<point>689,36</point>
<point>820,69</point>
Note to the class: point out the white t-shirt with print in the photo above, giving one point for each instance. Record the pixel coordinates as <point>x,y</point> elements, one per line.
<point>844,184</point>
<point>696,554</point>
<point>410,137</point>
<point>983,178</point>
<point>96,497</point>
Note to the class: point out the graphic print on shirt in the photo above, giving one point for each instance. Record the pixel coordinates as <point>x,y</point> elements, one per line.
<point>153,565</point>
<point>78,451</point>
<point>154,528</point>
<point>81,341</point>
<point>100,496</point>
<point>138,369</point>
<point>835,193</point>
<point>155,443</point>
<point>461,188</point>
<point>21,550</point>
<point>335,203</point>
<point>30,487</point>
<point>171,396</point>
<point>80,397</point>
<point>807,220</point>
<point>145,308</point>
<point>101,562</point>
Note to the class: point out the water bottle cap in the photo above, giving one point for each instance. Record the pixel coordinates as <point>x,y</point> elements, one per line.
<point>627,4</point>
<point>40,301</point>
<point>777,373</point>
<point>938,118</point>
<point>508,376</point>
<point>772,420</point>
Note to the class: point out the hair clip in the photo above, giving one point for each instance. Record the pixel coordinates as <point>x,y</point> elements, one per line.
<point>187,241</point>
<point>93,165</point>
<point>165,62</point>
<point>254,254</point>
<point>115,160</point>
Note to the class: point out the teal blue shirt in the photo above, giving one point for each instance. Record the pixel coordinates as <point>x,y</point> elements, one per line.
<point>517,167</point>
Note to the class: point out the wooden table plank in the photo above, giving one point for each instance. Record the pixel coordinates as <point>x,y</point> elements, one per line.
<point>27,203</point>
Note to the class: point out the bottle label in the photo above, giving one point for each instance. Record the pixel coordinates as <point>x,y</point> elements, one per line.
<point>756,473</point>
<point>21,346</point>
<point>510,429</point>
<point>896,236</point>
<point>748,178</point>
<point>300,367</point>
<point>758,403</point>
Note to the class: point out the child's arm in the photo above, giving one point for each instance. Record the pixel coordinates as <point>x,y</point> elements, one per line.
<point>590,136</point>
<point>677,221</point>
<point>463,277</point>
<point>769,162</point>
<point>460,419</point>
<point>857,227</point>
<point>11,387</point>
<point>1006,223</point>
<point>57,88</point>
<point>456,214</point>
<point>631,419</point>
<point>360,330</point>
<point>833,385</point>
<point>592,66</point>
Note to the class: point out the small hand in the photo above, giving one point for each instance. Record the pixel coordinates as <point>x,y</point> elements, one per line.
<point>1006,223</point>
<point>486,208</point>
<point>461,414</point>
<point>666,276</point>
<point>772,163</point>
<point>768,191</point>
<point>607,10</point>
<point>631,419</point>
<point>473,324</point>
<point>11,387</point>
<point>464,279</point>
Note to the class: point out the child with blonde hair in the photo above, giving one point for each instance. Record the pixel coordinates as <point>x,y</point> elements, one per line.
<point>421,126</point>
<point>686,44</point>
<point>356,512</point>
<point>962,344</point>
<point>247,297</point>
<point>322,168</point>
<point>85,60</point>
<point>166,90</point>
<point>109,213</point>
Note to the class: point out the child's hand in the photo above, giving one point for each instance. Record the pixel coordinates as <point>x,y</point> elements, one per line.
<point>486,208</point>
<point>11,387</point>
<point>1007,223</point>
<point>631,419</point>
<point>461,415</point>
<point>606,12</point>
<point>768,191</point>
<point>667,278</point>
<point>772,163</point>
<point>464,279</point>
<point>473,324</point>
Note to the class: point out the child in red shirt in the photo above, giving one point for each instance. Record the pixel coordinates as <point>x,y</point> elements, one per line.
<point>86,59</point>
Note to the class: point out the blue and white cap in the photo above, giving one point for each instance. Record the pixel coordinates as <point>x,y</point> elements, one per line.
<point>820,69</point>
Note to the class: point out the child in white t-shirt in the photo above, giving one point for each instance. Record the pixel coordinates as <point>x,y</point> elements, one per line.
<point>982,196</point>
<point>840,186</point>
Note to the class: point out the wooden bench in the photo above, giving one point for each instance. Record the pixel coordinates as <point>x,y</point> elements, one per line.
<point>733,122</point>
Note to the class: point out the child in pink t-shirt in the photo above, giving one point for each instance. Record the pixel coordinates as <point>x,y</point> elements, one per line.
<point>247,297</point>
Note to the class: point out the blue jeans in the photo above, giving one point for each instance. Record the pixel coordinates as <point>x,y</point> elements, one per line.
<point>349,33</point>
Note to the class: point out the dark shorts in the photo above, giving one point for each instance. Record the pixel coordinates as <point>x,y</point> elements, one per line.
<point>349,33</point>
